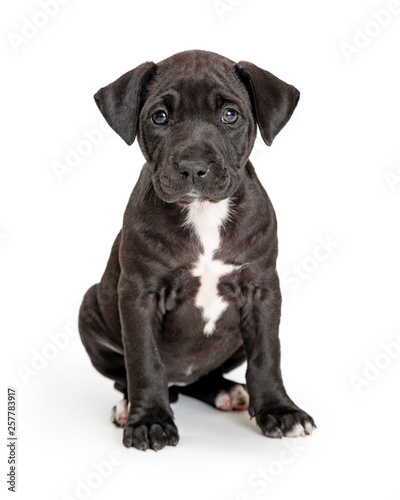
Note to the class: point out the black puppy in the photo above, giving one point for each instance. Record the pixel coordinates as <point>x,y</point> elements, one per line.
<point>191,289</point>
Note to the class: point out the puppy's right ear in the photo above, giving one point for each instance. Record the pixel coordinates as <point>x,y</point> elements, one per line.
<point>121,101</point>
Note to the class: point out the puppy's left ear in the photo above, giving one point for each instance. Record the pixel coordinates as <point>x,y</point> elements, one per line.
<point>273,100</point>
<point>121,101</point>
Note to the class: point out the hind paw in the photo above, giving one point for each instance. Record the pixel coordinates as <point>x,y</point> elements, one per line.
<point>120,412</point>
<point>237,398</point>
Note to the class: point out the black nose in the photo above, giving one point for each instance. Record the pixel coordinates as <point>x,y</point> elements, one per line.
<point>193,171</point>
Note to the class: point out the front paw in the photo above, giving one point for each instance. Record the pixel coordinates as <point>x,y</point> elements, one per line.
<point>280,421</point>
<point>155,430</point>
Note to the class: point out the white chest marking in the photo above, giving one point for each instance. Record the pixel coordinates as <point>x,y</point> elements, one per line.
<point>206,219</point>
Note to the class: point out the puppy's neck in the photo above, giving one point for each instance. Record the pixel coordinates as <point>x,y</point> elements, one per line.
<point>206,216</point>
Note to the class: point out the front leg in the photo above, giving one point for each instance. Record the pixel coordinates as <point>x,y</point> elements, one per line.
<point>150,420</point>
<point>275,412</point>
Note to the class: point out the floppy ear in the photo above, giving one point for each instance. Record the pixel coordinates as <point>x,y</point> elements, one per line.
<point>273,100</point>
<point>120,102</point>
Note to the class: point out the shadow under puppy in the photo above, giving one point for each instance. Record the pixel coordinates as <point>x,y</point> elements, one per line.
<point>191,290</point>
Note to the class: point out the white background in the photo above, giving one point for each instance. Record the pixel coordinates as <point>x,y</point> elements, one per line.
<point>331,174</point>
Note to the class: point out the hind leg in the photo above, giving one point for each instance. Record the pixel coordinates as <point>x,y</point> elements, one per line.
<point>219,392</point>
<point>106,354</point>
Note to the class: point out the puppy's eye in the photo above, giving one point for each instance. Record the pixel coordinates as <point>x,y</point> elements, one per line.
<point>229,116</point>
<point>160,117</point>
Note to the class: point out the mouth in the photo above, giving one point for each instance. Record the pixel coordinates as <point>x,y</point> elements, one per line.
<point>186,194</point>
<point>183,198</point>
<point>192,196</point>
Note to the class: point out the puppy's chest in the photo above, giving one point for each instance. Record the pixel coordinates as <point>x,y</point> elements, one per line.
<point>206,221</point>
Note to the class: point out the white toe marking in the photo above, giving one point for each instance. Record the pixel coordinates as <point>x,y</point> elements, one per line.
<point>239,395</point>
<point>206,219</point>
<point>308,428</point>
<point>277,433</point>
<point>223,401</point>
<point>296,431</point>
<point>121,411</point>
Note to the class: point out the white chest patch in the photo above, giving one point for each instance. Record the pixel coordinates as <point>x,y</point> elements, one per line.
<point>206,219</point>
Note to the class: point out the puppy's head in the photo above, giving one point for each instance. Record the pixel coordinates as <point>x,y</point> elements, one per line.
<point>195,116</point>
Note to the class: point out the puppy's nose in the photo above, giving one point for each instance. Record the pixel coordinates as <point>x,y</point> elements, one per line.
<point>193,171</point>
